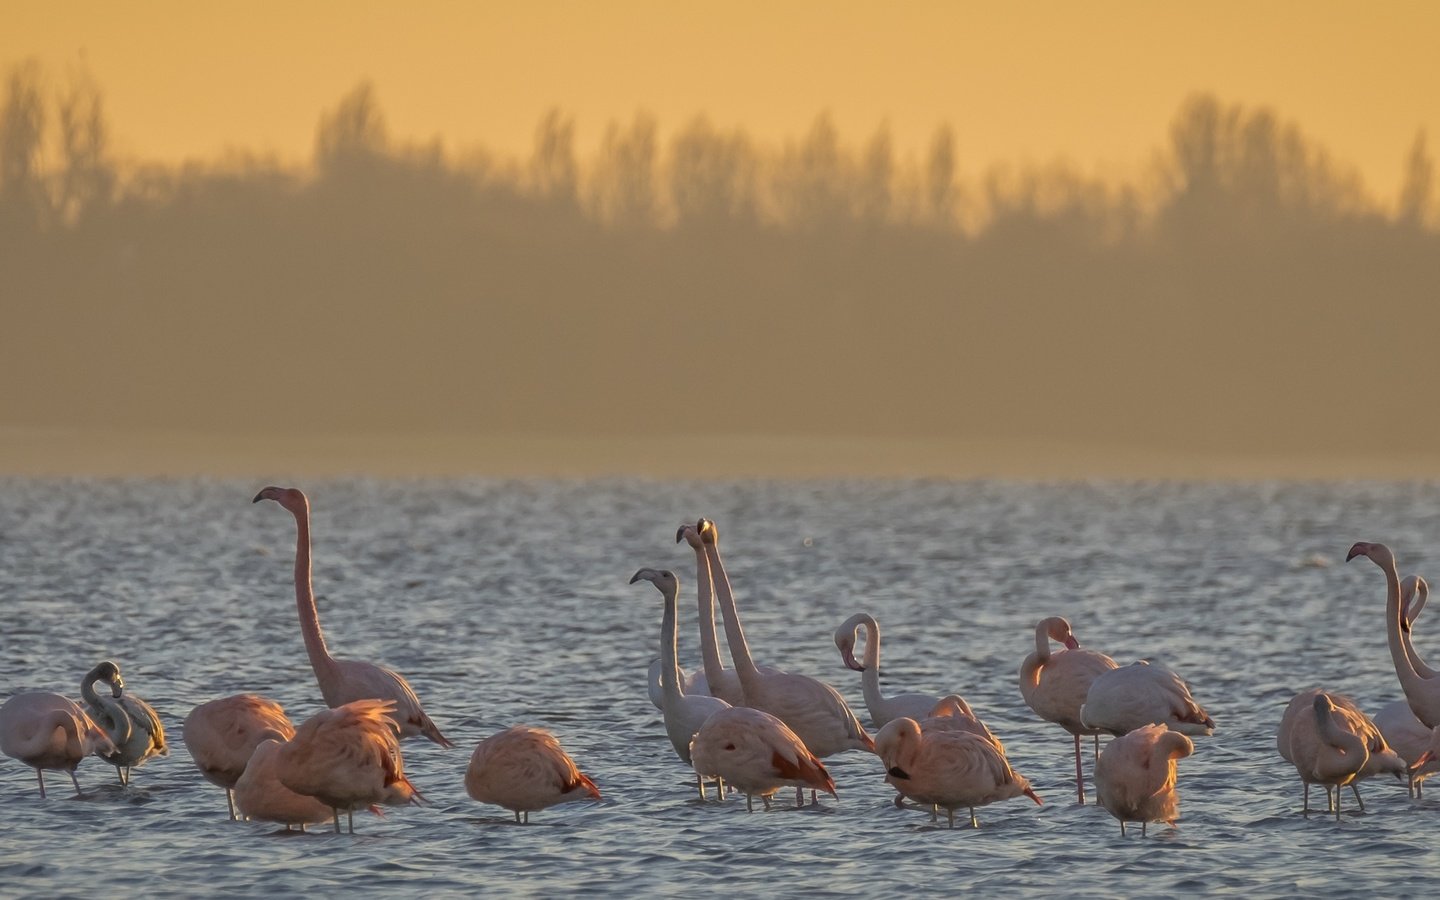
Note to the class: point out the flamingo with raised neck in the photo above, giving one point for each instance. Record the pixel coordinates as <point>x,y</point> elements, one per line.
<point>1422,691</point>
<point>882,709</point>
<point>344,681</point>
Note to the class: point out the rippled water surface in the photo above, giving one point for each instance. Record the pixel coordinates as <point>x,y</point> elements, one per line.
<point>507,602</point>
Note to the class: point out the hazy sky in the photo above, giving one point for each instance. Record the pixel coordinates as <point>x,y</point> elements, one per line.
<point>1096,81</point>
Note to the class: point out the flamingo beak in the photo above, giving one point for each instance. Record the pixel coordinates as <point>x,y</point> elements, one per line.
<point>258,497</point>
<point>849,654</point>
<point>1357,550</point>
<point>117,687</point>
<point>680,533</point>
<point>636,577</point>
<point>1071,643</point>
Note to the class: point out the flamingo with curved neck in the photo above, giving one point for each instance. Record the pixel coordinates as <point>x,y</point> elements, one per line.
<point>882,709</point>
<point>132,724</point>
<point>48,731</point>
<point>344,681</point>
<point>1055,685</point>
<point>1325,751</point>
<point>1421,690</point>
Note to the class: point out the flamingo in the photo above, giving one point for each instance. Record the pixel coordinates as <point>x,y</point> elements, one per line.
<point>1402,731</point>
<point>1422,690</point>
<point>1130,697</point>
<point>260,794</point>
<point>757,754</point>
<point>814,710</point>
<point>1380,757</point>
<point>1325,748</point>
<point>222,734</point>
<point>949,769</point>
<point>348,758</point>
<point>882,709</point>
<point>683,713</point>
<point>1055,685</point>
<point>524,769</point>
<point>952,713</point>
<point>1135,776</point>
<point>131,723</point>
<point>48,731</point>
<point>344,680</point>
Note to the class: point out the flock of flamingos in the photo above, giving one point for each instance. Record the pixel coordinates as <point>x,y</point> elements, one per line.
<point>757,729</point>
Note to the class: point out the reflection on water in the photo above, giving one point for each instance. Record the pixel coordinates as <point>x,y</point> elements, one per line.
<point>507,602</point>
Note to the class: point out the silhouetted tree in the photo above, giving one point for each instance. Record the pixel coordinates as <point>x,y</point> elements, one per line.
<point>623,187</point>
<point>353,133</point>
<point>940,194</point>
<point>810,188</point>
<point>87,175</point>
<point>712,175</point>
<point>875,180</point>
<point>22,134</point>
<point>1418,183</point>
<point>554,173</point>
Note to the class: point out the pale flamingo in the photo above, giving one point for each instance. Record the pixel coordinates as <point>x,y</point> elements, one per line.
<point>1380,757</point>
<point>524,769</point>
<point>949,769</point>
<point>1421,690</point>
<point>757,754</point>
<point>131,723</point>
<point>815,711</point>
<point>344,680</point>
<point>348,758</point>
<point>952,713</point>
<point>1135,776</point>
<point>683,713</point>
<point>1406,734</point>
<point>1130,697</point>
<point>47,731</point>
<point>222,734</point>
<point>882,709</point>
<point>260,795</point>
<point>1325,749</point>
<point>1054,685</point>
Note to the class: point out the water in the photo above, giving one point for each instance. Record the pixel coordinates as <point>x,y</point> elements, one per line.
<point>507,602</point>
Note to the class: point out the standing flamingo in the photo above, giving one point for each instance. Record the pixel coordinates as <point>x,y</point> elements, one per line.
<point>344,680</point>
<point>949,769</point>
<point>1055,685</point>
<point>683,713</point>
<point>524,769</point>
<point>222,734</point>
<point>815,711</point>
<point>1422,690</point>
<point>1135,776</point>
<point>757,754</point>
<point>131,723</point>
<point>882,709</point>
<point>1380,758</point>
<point>47,731</point>
<point>1325,749</point>
<point>261,796</point>
<point>348,758</point>
<point>1130,697</point>
<point>1396,721</point>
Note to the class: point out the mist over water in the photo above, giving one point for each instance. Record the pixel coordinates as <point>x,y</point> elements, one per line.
<point>507,602</point>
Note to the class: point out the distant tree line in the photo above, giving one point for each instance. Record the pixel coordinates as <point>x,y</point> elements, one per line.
<point>1247,293</point>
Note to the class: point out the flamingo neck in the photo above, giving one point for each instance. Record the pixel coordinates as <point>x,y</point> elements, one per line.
<point>1339,748</point>
<point>1406,639</point>
<point>1030,669</point>
<point>705,596</point>
<point>1409,678</point>
<point>120,727</point>
<point>870,678</point>
<point>320,658</point>
<point>734,633</point>
<point>669,655</point>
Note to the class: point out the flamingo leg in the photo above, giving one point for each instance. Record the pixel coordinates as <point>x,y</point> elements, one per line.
<point>951,814</point>
<point>527,817</point>
<point>75,781</point>
<point>517,817</point>
<point>1356,790</point>
<point>337,819</point>
<point>1097,748</point>
<point>1306,810</point>
<point>350,818</point>
<point>973,822</point>
<point>1142,828</point>
<point>40,773</point>
<point>935,815</point>
<point>749,803</point>
<point>302,828</point>
<point>720,788</point>
<point>1122,827</point>
<point>700,783</point>
<point>1079,777</point>
<point>1337,802</point>
<point>1419,793</point>
<point>230,801</point>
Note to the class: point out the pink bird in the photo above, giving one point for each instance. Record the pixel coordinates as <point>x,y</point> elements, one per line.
<point>1406,734</point>
<point>222,734</point>
<point>524,769</point>
<point>1325,748</point>
<point>952,713</point>
<point>1130,697</point>
<point>1135,776</point>
<point>348,758</point>
<point>949,769</point>
<point>1055,685</point>
<point>48,731</point>
<point>757,754</point>
<point>1422,690</point>
<point>262,797</point>
<point>1380,758</point>
<point>882,709</point>
<point>344,680</point>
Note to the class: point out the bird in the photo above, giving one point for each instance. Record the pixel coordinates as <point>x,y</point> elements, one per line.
<point>1054,685</point>
<point>683,713</point>
<point>345,680</point>
<point>524,769</point>
<point>948,769</point>
<point>261,796</point>
<point>348,758</point>
<point>1402,731</point>
<point>48,731</point>
<point>1135,775</point>
<point>131,723</point>
<point>1130,697</point>
<point>952,713</point>
<point>815,711</point>
<point>222,734</point>
<point>1422,690</point>
<point>1380,757</point>
<point>882,709</point>
<point>1324,748</point>
<point>757,754</point>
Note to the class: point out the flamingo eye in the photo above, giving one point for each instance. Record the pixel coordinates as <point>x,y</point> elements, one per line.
<point>729,746</point>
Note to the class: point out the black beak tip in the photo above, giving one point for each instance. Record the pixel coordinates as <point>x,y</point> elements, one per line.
<point>258,497</point>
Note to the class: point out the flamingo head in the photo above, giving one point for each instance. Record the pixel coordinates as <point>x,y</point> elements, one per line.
<point>663,579</point>
<point>1379,554</point>
<point>1323,705</point>
<point>109,672</point>
<point>689,534</point>
<point>292,499</point>
<point>951,705</point>
<point>845,643</point>
<point>1058,627</point>
<point>1414,591</point>
<point>896,745</point>
<point>709,534</point>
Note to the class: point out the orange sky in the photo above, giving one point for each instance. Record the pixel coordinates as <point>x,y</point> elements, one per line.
<point>1095,81</point>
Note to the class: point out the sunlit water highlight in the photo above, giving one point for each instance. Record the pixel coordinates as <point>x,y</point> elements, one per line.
<point>507,602</point>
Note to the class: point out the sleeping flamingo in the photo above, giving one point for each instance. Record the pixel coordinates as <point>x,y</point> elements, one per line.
<point>1055,685</point>
<point>882,709</point>
<point>1325,749</point>
<point>261,796</point>
<point>949,769</point>
<point>683,714</point>
<point>222,734</point>
<point>344,680</point>
<point>348,758</point>
<point>1380,758</point>
<point>1130,697</point>
<point>1135,776</point>
<point>524,769</point>
<point>757,754</point>
<point>47,731</point>
<point>131,723</point>
<point>815,711</point>
<point>1422,690</point>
